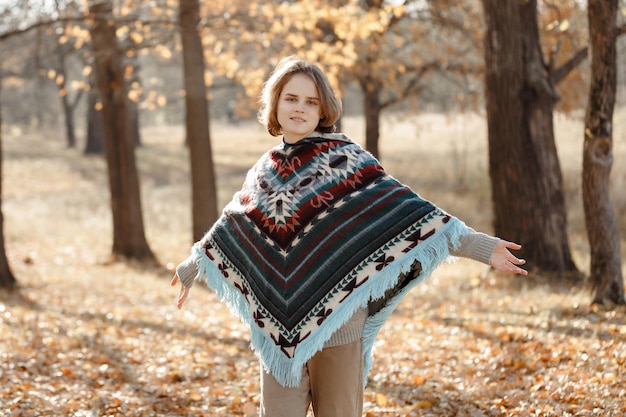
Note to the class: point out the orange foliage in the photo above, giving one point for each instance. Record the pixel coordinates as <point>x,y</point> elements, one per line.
<point>396,44</point>
<point>563,27</point>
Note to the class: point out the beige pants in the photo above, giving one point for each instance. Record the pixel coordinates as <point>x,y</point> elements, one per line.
<point>332,381</point>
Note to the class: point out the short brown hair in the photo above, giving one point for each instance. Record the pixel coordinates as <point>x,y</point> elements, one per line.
<point>330,105</point>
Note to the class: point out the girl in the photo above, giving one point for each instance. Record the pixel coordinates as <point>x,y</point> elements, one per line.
<point>318,248</point>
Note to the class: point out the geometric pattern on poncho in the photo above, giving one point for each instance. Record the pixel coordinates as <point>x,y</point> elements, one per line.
<point>313,223</point>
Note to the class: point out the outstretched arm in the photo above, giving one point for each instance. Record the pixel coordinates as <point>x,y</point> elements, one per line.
<point>503,260</point>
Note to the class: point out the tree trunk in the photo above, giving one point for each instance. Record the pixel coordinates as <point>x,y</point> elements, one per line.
<point>371,86</point>
<point>602,227</point>
<point>372,110</point>
<point>526,180</point>
<point>128,231</point>
<point>133,107</point>
<point>94,143</point>
<point>69,121</point>
<point>133,115</point>
<point>7,279</point>
<point>40,82</point>
<point>68,110</point>
<point>204,191</point>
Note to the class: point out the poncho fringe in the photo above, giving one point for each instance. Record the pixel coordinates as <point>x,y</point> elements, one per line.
<point>287,371</point>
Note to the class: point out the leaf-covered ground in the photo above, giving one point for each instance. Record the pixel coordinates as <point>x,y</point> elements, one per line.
<point>107,340</point>
<point>91,336</point>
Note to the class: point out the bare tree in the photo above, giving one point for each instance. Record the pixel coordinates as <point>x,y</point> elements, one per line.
<point>526,178</point>
<point>68,104</point>
<point>602,227</point>
<point>128,230</point>
<point>204,192</point>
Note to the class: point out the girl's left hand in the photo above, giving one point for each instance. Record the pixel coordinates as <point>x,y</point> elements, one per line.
<point>184,291</point>
<point>503,260</point>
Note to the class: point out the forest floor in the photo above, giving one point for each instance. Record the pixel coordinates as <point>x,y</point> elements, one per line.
<point>87,335</point>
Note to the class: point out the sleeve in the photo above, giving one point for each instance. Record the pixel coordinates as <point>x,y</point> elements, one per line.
<point>475,245</point>
<point>187,272</point>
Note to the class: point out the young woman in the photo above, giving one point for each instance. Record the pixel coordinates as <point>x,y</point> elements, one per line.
<point>317,249</point>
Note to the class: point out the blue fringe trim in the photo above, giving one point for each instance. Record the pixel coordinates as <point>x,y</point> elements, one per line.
<point>288,371</point>
<point>430,257</point>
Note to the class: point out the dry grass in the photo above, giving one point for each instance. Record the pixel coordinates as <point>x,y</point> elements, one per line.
<point>88,337</point>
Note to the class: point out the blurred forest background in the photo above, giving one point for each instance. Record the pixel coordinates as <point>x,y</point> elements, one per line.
<point>125,126</point>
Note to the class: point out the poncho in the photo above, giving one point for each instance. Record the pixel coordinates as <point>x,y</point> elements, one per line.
<point>317,231</point>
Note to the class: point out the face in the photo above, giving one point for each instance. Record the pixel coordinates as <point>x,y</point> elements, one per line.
<point>298,109</point>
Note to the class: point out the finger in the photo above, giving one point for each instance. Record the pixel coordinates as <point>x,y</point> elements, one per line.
<point>174,280</point>
<point>519,271</point>
<point>180,303</point>
<point>512,245</point>
<point>516,269</point>
<point>182,297</point>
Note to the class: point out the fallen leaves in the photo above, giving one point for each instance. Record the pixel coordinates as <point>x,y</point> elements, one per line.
<point>88,338</point>
<point>484,355</point>
<point>69,348</point>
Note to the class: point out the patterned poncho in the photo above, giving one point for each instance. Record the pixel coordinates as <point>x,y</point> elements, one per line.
<point>318,231</point>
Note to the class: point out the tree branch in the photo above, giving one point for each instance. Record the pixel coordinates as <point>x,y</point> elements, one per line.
<point>37,25</point>
<point>560,73</point>
<point>81,18</point>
